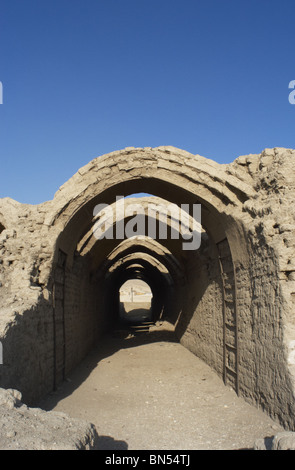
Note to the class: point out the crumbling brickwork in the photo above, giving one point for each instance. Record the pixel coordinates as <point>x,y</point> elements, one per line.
<point>234,310</point>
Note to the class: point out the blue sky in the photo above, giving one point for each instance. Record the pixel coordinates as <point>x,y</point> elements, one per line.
<point>86,77</point>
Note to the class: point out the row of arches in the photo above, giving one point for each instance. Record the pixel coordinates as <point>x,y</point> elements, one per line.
<point>185,284</point>
<point>228,300</point>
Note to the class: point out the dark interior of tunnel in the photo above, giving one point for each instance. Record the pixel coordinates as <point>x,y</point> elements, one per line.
<point>135,301</point>
<point>186,288</point>
<point>160,288</point>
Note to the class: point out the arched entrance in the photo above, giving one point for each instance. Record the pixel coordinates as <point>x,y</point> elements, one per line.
<point>230,300</point>
<point>135,303</point>
<point>196,283</point>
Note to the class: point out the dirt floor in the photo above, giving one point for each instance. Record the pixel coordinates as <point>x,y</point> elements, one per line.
<point>147,392</point>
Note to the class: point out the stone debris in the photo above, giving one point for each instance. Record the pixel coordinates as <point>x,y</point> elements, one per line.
<point>24,428</point>
<point>284,440</point>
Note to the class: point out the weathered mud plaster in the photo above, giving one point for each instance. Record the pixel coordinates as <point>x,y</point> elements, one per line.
<point>233,299</point>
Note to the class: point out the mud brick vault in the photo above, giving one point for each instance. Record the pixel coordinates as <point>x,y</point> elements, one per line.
<point>231,301</point>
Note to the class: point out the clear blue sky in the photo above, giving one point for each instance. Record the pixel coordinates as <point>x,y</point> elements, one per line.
<point>86,77</point>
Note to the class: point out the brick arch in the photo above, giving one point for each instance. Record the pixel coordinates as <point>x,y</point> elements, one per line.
<point>146,267</point>
<point>166,172</point>
<point>227,194</point>
<point>248,213</point>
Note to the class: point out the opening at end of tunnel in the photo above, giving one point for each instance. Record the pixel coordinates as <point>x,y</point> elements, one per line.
<point>135,302</point>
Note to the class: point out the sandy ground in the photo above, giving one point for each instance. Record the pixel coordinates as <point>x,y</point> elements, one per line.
<point>147,392</point>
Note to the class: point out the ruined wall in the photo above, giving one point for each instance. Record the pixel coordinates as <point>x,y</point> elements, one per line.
<point>200,326</point>
<point>26,328</point>
<point>85,317</point>
<point>254,197</point>
<point>265,286</point>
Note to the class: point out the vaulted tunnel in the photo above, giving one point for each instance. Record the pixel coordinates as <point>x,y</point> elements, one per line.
<point>186,284</point>
<point>136,300</point>
<point>230,300</point>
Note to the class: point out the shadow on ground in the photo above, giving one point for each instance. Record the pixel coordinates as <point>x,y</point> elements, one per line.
<point>123,336</point>
<point>109,443</point>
